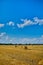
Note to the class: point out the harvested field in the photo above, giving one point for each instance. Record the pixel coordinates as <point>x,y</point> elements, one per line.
<point>21,55</point>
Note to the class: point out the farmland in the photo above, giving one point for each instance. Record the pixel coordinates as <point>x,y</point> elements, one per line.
<point>21,54</point>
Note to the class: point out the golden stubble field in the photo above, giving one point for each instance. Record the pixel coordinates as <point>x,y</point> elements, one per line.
<point>19,55</point>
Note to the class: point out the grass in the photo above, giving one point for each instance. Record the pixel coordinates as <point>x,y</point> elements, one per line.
<point>12,55</point>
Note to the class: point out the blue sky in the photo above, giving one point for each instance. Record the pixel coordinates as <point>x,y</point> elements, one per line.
<point>21,20</point>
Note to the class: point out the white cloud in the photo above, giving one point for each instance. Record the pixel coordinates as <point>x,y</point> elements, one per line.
<point>1,25</point>
<point>10,23</point>
<point>7,39</point>
<point>27,22</point>
<point>38,40</point>
<point>42,36</point>
<point>2,34</point>
<point>38,21</point>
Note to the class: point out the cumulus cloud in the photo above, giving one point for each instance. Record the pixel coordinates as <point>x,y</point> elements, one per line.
<point>8,39</point>
<point>27,22</point>
<point>42,36</point>
<point>2,34</point>
<point>38,21</point>
<point>1,25</point>
<point>34,40</point>
<point>10,23</point>
<point>4,38</point>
